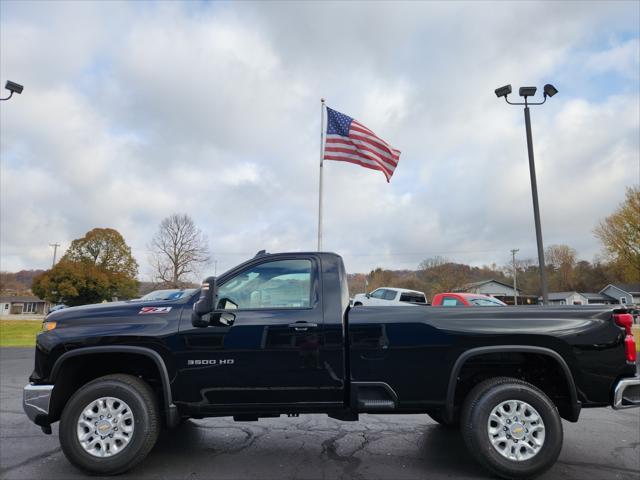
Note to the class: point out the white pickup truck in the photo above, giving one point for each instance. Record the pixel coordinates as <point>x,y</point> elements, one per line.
<point>390,296</point>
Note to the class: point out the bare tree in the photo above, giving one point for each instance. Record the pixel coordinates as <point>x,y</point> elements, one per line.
<point>178,248</point>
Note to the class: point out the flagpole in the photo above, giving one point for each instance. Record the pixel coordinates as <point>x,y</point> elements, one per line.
<point>320,185</point>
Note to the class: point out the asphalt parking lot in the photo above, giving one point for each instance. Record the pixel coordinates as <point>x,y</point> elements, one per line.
<point>604,445</point>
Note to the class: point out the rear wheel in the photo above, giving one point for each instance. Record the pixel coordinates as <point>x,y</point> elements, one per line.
<point>110,424</point>
<point>511,427</point>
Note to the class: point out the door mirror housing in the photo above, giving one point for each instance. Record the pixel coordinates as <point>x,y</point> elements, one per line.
<point>201,315</point>
<point>368,295</point>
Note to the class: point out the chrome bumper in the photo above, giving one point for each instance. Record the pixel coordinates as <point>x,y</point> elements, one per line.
<point>627,393</point>
<point>35,402</point>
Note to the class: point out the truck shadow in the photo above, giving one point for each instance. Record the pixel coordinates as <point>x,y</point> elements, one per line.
<point>423,451</point>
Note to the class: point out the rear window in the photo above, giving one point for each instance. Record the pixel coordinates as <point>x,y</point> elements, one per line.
<point>413,298</point>
<point>451,302</point>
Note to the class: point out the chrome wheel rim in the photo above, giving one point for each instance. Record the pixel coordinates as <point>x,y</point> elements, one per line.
<point>105,427</point>
<point>516,430</point>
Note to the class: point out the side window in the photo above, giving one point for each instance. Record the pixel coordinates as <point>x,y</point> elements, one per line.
<point>390,294</point>
<point>450,302</point>
<point>379,293</point>
<point>412,298</point>
<point>278,284</point>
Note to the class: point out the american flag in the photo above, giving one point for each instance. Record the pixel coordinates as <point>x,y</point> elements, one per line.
<point>349,141</point>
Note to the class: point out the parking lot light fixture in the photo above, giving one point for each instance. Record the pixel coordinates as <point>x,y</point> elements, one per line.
<point>526,92</point>
<point>503,91</point>
<point>550,90</point>
<point>13,87</point>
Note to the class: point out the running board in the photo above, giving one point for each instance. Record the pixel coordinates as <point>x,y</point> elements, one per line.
<point>372,397</point>
<point>376,404</point>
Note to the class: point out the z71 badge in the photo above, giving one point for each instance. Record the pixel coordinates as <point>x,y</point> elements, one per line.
<point>150,310</point>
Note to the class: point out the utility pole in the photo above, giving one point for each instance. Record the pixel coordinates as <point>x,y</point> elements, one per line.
<point>55,251</point>
<point>515,283</point>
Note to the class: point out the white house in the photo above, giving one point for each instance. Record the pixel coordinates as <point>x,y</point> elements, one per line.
<point>493,288</point>
<point>567,298</point>
<point>623,293</point>
<point>501,291</point>
<point>23,305</point>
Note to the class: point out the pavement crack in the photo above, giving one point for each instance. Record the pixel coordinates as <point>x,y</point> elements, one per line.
<point>29,460</point>
<point>599,466</point>
<point>250,438</point>
<point>351,463</point>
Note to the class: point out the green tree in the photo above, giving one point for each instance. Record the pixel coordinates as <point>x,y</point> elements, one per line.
<point>620,236</point>
<point>96,267</point>
<point>105,248</point>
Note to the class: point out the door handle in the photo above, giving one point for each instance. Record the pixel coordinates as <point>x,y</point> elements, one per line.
<point>302,326</point>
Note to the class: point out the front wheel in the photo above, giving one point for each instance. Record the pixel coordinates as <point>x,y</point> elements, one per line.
<point>511,427</point>
<point>110,424</point>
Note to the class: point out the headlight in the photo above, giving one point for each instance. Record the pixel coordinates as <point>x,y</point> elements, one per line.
<point>46,326</point>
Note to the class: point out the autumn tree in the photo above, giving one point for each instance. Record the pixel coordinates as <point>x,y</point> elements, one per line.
<point>561,261</point>
<point>178,248</point>
<point>620,236</point>
<point>379,278</point>
<point>439,275</point>
<point>73,283</point>
<point>96,267</point>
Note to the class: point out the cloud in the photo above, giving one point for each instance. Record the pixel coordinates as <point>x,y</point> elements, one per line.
<point>134,111</point>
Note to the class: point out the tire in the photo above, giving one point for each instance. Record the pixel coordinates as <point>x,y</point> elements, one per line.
<point>437,417</point>
<point>357,304</point>
<point>537,443</point>
<point>132,403</point>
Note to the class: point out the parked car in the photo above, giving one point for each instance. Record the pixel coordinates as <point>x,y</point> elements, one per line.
<point>390,296</point>
<point>465,300</point>
<point>168,294</point>
<point>275,335</point>
<point>55,308</point>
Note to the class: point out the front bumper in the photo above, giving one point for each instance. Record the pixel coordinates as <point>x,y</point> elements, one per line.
<point>35,402</point>
<point>626,393</point>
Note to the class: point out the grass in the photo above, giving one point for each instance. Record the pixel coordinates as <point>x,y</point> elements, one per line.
<point>19,333</point>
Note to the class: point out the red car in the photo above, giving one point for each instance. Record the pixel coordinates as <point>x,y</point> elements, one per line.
<point>465,300</point>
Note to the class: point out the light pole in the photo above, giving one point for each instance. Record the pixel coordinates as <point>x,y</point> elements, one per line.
<point>526,92</point>
<point>13,88</point>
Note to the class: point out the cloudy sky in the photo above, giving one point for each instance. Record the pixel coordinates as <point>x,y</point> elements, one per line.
<point>133,111</point>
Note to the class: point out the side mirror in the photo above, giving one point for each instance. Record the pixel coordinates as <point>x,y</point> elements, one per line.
<point>368,295</point>
<point>200,317</point>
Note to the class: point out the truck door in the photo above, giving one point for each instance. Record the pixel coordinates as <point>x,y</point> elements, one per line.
<point>270,351</point>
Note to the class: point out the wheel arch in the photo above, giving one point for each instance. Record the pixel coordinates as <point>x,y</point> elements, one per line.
<point>171,412</point>
<point>474,352</point>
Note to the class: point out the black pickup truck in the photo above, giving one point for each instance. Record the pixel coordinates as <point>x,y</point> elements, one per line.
<point>276,335</point>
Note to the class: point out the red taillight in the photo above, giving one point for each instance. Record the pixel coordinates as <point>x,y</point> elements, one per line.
<point>630,346</point>
<point>625,320</point>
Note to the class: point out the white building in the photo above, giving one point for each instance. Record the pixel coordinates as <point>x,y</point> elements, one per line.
<point>623,293</point>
